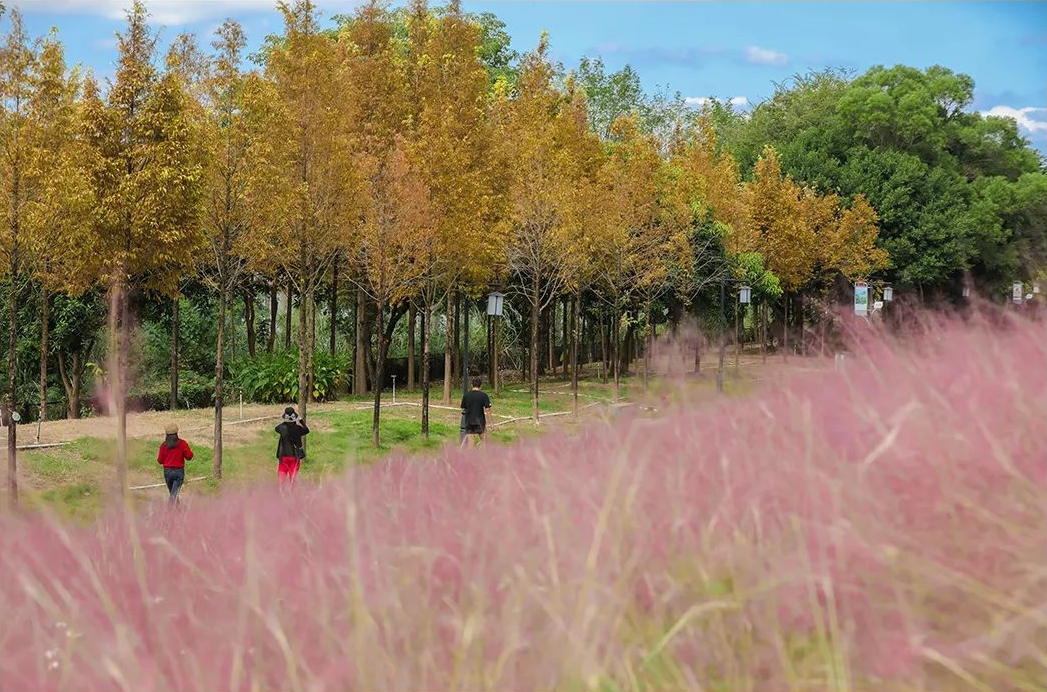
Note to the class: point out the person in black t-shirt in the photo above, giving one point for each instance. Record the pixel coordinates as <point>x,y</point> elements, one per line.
<point>476,407</point>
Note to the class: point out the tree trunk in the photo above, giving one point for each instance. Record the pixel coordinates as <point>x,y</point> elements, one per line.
<point>698,351</point>
<point>535,317</point>
<point>249,314</point>
<point>311,316</point>
<point>12,451</point>
<point>785,330</point>
<point>551,317</point>
<point>118,329</point>
<point>45,332</point>
<point>175,329</point>
<point>575,337</point>
<point>565,339</point>
<point>333,307</point>
<point>616,347</point>
<point>303,349</point>
<point>448,355</point>
<point>427,321</point>
<point>360,367</point>
<point>412,318</point>
<point>384,338</point>
<point>457,352</point>
<point>72,379</point>
<point>723,337</point>
<point>287,315</point>
<point>219,378</point>
<point>605,362</point>
<point>800,315</point>
<point>12,386</point>
<point>763,332</point>
<point>647,341</point>
<point>379,367</point>
<point>274,305</point>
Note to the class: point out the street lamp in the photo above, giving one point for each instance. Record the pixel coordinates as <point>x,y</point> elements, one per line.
<point>1017,291</point>
<point>495,302</point>
<point>888,294</point>
<point>745,294</point>
<point>966,291</point>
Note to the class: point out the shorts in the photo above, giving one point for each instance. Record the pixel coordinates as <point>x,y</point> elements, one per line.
<point>475,429</point>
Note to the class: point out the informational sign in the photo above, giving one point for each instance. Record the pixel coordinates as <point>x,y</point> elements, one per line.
<point>1017,291</point>
<point>861,298</point>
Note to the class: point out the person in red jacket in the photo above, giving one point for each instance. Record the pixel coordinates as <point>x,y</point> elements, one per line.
<point>174,452</point>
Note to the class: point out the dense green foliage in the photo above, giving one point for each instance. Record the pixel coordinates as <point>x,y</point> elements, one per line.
<point>955,191</point>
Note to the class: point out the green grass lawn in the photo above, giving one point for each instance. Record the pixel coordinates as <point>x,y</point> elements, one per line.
<point>75,480</point>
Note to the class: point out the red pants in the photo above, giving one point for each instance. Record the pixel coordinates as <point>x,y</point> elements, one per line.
<point>288,469</point>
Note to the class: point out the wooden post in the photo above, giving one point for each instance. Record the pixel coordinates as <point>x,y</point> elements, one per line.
<point>12,450</point>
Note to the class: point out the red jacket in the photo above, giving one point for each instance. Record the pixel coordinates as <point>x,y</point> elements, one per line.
<point>174,458</point>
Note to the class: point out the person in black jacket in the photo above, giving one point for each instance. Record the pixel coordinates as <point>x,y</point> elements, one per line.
<point>289,451</point>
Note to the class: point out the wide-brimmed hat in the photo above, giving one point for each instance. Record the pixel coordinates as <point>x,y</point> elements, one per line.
<point>289,414</point>
<point>171,429</point>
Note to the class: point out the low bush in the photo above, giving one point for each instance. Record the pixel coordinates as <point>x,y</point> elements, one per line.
<point>876,527</point>
<point>194,391</point>
<point>273,378</point>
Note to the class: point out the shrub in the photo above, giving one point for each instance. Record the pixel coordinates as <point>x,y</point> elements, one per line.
<point>274,378</point>
<point>880,527</point>
<point>194,391</point>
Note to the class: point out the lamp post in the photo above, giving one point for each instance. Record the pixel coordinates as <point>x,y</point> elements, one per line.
<point>888,293</point>
<point>744,297</point>
<point>465,348</point>
<point>494,309</point>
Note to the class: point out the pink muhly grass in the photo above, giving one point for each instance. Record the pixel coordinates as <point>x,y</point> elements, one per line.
<point>877,527</point>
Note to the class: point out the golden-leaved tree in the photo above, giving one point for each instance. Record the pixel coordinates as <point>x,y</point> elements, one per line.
<point>17,62</point>
<point>540,128</point>
<point>634,248</point>
<point>777,226</point>
<point>453,136</point>
<point>147,177</point>
<point>226,94</point>
<point>396,209</point>
<point>57,217</point>
<point>309,195</point>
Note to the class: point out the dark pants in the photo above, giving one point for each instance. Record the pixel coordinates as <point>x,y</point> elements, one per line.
<point>174,479</point>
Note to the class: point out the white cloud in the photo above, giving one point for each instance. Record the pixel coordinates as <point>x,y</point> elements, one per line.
<point>765,56</point>
<point>700,101</point>
<point>1023,116</point>
<point>170,12</point>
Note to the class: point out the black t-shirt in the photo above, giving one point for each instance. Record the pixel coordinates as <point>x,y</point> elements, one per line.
<point>473,404</point>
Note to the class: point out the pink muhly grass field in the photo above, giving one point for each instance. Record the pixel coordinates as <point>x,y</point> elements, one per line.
<point>879,527</point>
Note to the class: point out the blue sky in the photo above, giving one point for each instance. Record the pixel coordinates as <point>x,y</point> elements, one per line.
<point>721,49</point>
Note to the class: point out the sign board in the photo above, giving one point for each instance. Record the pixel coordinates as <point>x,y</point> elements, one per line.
<point>1016,292</point>
<point>861,298</point>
